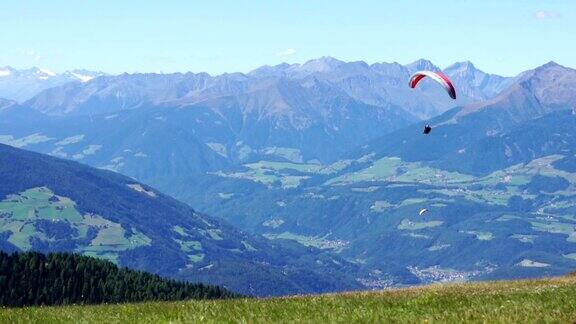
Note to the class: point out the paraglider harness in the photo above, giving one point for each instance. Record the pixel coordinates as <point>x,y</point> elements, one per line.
<point>427,129</point>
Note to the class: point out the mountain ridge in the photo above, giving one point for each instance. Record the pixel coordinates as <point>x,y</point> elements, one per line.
<point>21,85</point>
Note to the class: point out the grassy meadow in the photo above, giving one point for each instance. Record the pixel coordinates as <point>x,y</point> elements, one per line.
<point>543,300</point>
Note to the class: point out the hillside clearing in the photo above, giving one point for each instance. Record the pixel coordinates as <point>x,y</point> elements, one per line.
<point>543,300</point>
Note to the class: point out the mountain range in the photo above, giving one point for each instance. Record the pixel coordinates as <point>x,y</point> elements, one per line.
<point>379,84</point>
<point>21,85</point>
<point>314,112</point>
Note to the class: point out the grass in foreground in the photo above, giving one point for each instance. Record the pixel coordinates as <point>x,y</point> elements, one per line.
<point>545,300</point>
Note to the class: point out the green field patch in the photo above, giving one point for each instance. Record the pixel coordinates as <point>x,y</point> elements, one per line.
<point>24,141</point>
<point>335,167</point>
<point>492,197</point>
<point>505,176</point>
<point>189,246</point>
<point>292,181</point>
<point>180,230</point>
<point>521,174</point>
<point>257,175</point>
<point>382,169</point>
<point>39,203</point>
<point>518,180</point>
<point>488,196</point>
<point>21,212</point>
<point>409,225</point>
<point>511,176</point>
<point>543,166</point>
<point>291,154</point>
<point>556,227</point>
<point>481,236</point>
<point>279,166</point>
<point>394,169</point>
<point>380,206</point>
<point>112,237</point>
<point>196,258</point>
<point>315,241</point>
<point>556,208</point>
<point>21,234</point>
<point>412,201</point>
<point>110,256</point>
<point>271,173</point>
<point>424,174</point>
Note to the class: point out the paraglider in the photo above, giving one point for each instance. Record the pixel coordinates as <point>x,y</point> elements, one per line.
<point>436,76</point>
<point>427,129</point>
<point>423,211</point>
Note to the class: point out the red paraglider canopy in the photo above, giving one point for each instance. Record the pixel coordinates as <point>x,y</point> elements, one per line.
<point>436,76</point>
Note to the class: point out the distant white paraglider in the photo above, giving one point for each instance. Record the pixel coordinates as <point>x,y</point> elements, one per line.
<point>423,211</point>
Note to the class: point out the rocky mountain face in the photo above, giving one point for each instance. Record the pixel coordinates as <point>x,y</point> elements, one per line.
<point>474,83</point>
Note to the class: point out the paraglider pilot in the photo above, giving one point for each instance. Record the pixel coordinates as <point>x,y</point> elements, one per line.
<point>427,129</point>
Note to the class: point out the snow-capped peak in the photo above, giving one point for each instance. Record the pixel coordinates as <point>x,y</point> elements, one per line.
<point>44,73</point>
<point>82,78</point>
<point>47,72</point>
<point>5,72</point>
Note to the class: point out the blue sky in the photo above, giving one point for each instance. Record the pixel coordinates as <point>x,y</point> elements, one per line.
<point>504,37</point>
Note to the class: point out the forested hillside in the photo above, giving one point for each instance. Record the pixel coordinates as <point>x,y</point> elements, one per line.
<point>33,278</point>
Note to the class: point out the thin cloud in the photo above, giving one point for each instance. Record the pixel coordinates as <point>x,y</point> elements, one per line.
<point>34,55</point>
<point>545,15</point>
<point>287,52</point>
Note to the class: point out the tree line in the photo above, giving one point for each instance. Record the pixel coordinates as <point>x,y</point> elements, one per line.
<point>33,278</point>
